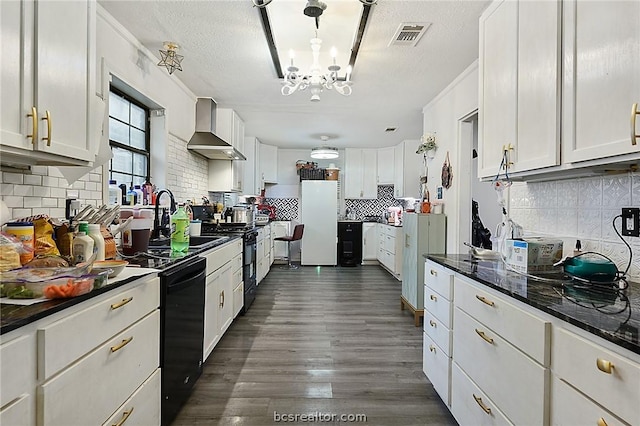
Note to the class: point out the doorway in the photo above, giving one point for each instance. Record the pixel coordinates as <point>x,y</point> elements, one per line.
<point>471,188</point>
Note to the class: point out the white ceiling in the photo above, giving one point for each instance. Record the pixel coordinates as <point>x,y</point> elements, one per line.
<point>227,58</point>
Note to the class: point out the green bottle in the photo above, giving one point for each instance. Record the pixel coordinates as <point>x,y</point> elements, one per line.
<point>180,230</point>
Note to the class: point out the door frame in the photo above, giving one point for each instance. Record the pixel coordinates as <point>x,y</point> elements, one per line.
<point>462,233</point>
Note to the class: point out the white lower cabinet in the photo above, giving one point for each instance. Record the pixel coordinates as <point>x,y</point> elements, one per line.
<point>513,381</point>
<point>369,241</point>
<point>571,408</point>
<point>220,297</point>
<point>142,408</point>
<point>90,390</point>
<point>610,380</point>
<point>390,248</point>
<point>514,364</point>
<point>436,365</point>
<point>469,405</point>
<point>19,412</point>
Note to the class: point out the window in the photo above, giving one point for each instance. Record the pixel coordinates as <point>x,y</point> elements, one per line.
<point>129,139</point>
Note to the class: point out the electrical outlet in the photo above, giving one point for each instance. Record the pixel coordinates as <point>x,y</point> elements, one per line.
<point>631,221</point>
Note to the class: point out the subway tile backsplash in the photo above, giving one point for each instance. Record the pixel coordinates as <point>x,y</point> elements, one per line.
<point>43,190</point>
<point>581,209</point>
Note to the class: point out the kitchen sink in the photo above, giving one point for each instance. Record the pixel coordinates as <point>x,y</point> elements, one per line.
<point>194,242</point>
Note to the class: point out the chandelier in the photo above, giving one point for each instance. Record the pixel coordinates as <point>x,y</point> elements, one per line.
<point>315,80</point>
<point>170,59</point>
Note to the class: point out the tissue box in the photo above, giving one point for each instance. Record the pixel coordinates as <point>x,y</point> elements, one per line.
<point>534,254</point>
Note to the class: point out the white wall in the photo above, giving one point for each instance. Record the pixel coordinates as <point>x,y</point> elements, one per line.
<point>442,116</point>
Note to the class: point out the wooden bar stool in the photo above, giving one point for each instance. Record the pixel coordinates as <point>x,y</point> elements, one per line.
<point>297,235</point>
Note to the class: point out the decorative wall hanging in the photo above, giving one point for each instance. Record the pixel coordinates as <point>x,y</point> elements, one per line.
<point>447,173</point>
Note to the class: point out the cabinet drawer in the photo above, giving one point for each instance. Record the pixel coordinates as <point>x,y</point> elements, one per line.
<point>529,333</point>
<point>221,255</point>
<point>238,299</point>
<point>570,408</point>
<point>19,412</point>
<point>440,334</point>
<point>513,381</point>
<point>439,279</point>
<point>18,357</point>
<point>469,405</point>
<point>237,262</point>
<point>101,378</point>
<point>438,306</point>
<point>577,361</point>
<point>390,244</point>
<point>437,367</point>
<point>142,408</point>
<point>237,277</point>
<point>58,343</point>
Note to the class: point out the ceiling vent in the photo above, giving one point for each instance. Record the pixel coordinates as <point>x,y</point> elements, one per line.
<point>409,33</point>
<point>390,129</point>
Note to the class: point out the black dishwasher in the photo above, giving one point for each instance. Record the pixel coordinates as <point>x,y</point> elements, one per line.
<point>181,333</point>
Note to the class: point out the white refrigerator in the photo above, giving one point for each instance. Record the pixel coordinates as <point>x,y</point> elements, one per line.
<point>319,214</point>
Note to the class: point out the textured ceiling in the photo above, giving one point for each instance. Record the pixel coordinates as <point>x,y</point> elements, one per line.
<point>227,58</point>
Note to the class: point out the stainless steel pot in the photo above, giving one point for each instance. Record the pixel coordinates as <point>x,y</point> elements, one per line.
<point>243,213</point>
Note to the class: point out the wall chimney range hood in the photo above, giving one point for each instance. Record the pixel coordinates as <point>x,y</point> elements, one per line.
<point>205,141</point>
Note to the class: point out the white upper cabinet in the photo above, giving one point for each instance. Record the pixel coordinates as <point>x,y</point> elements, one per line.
<point>558,82</point>
<point>519,86</point>
<point>601,78</point>
<point>269,163</point>
<point>386,166</point>
<point>252,183</point>
<point>360,181</point>
<point>48,68</point>
<point>407,169</point>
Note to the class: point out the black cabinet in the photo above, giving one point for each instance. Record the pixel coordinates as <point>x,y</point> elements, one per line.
<point>349,243</point>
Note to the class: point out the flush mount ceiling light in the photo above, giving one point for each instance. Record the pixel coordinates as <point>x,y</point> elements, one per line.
<point>170,59</point>
<point>315,80</point>
<point>264,3</point>
<point>324,153</point>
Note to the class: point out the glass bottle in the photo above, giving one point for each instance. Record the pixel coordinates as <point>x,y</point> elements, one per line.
<point>180,230</point>
<point>115,194</point>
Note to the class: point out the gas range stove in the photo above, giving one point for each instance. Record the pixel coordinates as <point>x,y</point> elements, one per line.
<point>223,228</point>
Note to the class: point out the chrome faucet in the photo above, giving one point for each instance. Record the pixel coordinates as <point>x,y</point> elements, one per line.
<point>157,228</point>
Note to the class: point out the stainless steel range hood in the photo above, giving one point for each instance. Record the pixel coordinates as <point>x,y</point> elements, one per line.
<point>205,141</point>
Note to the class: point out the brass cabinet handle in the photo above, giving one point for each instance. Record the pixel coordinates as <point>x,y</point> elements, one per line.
<point>222,299</point>
<point>601,422</point>
<point>484,336</point>
<point>121,303</point>
<point>433,297</point>
<point>124,418</point>
<point>47,116</point>
<point>121,345</point>
<point>481,404</point>
<point>432,348</point>
<point>434,273</point>
<point>432,323</point>
<point>634,113</point>
<point>34,125</point>
<point>485,300</point>
<point>604,365</point>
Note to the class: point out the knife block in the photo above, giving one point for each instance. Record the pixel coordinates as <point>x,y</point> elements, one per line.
<point>109,244</point>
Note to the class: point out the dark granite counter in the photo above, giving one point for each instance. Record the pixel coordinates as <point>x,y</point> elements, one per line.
<point>606,312</point>
<point>16,316</point>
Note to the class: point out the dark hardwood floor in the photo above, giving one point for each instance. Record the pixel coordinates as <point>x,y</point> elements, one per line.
<point>319,340</point>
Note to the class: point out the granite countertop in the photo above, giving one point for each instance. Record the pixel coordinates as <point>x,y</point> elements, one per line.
<point>605,312</point>
<point>16,316</point>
